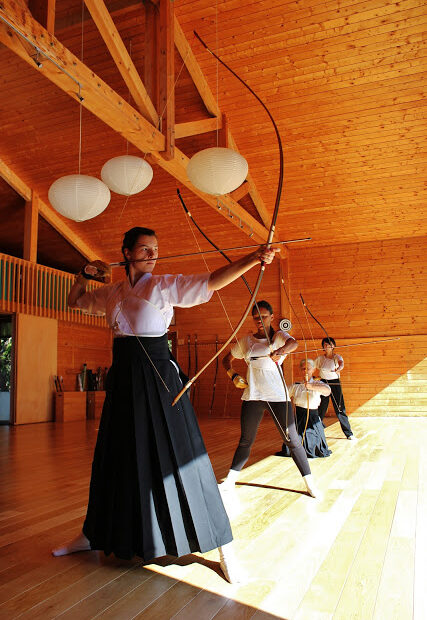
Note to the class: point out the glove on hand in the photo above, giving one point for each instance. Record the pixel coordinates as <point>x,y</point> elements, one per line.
<point>237,379</point>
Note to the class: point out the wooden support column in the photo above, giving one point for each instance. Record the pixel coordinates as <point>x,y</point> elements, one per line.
<point>167,76</point>
<point>43,11</point>
<point>31,228</point>
<point>150,52</point>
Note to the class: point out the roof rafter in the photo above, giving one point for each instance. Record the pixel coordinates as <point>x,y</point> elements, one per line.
<point>48,213</point>
<point>72,76</point>
<point>121,57</point>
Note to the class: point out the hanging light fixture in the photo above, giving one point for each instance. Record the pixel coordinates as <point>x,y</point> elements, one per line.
<point>79,197</point>
<point>217,170</point>
<point>127,174</point>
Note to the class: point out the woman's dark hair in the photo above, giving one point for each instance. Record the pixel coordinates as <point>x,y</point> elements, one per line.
<point>330,341</point>
<point>264,304</point>
<point>131,237</point>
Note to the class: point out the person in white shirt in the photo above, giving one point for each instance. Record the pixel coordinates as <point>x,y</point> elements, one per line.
<point>310,428</point>
<point>153,491</point>
<point>264,390</point>
<point>330,366</point>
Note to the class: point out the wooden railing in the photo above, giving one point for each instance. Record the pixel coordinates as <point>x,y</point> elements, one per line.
<point>42,291</point>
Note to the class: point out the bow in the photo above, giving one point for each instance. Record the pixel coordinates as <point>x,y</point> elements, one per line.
<point>270,234</point>
<point>227,258</point>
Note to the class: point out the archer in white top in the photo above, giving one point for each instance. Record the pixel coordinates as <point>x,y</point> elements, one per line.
<point>265,391</point>
<point>264,382</point>
<point>145,309</point>
<point>315,389</point>
<point>330,366</point>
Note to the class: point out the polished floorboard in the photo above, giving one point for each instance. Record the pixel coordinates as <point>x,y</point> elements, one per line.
<point>360,552</point>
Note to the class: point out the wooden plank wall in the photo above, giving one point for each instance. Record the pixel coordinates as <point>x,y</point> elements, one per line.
<point>360,292</point>
<point>370,291</point>
<point>78,344</point>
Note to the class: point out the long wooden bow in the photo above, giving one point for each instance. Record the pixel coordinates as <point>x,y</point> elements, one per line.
<point>270,234</point>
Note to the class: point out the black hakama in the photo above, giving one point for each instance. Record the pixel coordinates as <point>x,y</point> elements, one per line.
<point>315,443</point>
<point>153,491</point>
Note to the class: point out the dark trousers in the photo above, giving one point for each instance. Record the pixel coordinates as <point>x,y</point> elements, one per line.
<point>338,403</point>
<point>251,416</point>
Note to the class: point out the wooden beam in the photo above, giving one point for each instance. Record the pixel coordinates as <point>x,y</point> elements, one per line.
<point>108,107</point>
<point>99,98</point>
<point>166,75</point>
<point>194,70</point>
<point>14,181</point>
<point>240,191</point>
<point>194,128</point>
<point>31,228</point>
<point>121,57</point>
<point>43,11</point>
<point>150,52</point>
<point>253,192</point>
<point>49,214</point>
<point>177,167</point>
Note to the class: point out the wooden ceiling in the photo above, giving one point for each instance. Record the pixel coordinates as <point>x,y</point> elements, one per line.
<point>343,79</point>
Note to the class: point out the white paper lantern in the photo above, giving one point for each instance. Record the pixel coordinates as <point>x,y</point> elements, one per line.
<point>217,170</point>
<point>127,174</point>
<point>79,197</point>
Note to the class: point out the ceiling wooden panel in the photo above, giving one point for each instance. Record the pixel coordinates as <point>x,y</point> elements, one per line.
<point>344,81</point>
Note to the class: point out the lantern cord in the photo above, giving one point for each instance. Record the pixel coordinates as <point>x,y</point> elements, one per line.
<point>80,98</point>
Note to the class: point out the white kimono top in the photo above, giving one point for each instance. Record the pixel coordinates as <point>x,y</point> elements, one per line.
<point>262,375</point>
<point>299,392</point>
<point>145,309</point>
<point>328,365</point>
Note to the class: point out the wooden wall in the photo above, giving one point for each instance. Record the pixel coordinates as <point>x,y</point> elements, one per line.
<point>369,291</point>
<point>78,344</point>
<point>360,292</point>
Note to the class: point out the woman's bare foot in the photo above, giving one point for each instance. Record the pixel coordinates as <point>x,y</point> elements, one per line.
<point>80,543</point>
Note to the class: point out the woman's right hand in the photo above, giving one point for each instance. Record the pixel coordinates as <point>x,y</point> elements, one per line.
<point>98,270</point>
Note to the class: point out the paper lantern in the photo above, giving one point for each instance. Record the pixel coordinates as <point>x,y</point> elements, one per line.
<point>217,170</point>
<point>127,174</point>
<point>79,197</point>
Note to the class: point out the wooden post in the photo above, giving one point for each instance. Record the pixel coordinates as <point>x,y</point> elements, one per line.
<point>167,76</point>
<point>44,12</point>
<point>31,224</point>
<point>150,53</point>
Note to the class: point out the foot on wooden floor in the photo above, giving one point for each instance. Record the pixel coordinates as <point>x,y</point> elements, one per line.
<point>80,543</point>
<point>233,572</point>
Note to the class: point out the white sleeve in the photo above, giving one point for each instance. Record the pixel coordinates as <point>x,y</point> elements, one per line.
<point>340,359</point>
<point>292,390</point>
<point>239,349</point>
<point>187,291</point>
<point>318,362</point>
<point>280,338</point>
<point>94,302</point>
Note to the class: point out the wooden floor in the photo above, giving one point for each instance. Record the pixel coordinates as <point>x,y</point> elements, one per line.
<point>361,552</point>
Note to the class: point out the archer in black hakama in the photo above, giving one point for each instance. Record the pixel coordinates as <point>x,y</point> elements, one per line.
<point>153,491</point>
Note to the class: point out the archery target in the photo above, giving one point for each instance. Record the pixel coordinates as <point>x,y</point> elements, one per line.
<point>285,325</point>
